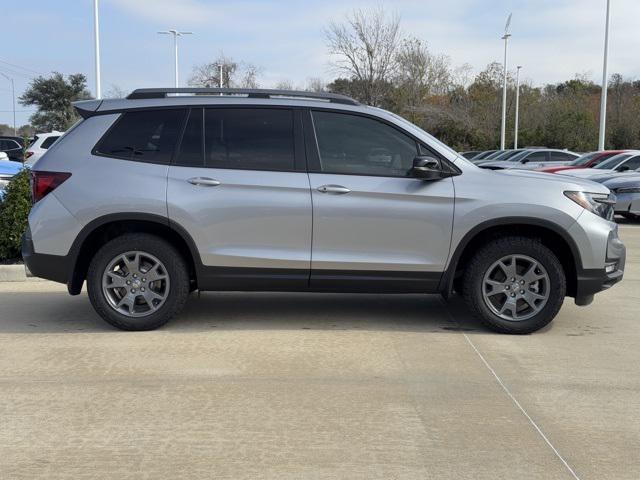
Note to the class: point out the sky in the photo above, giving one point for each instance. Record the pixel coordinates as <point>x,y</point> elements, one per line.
<point>552,39</point>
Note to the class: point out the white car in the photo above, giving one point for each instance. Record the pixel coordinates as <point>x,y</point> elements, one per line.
<point>623,162</point>
<point>40,145</point>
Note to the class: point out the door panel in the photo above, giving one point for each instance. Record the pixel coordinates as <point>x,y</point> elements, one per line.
<point>251,219</point>
<point>385,229</point>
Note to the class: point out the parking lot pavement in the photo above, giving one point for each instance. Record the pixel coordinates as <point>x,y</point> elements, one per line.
<point>319,386</point>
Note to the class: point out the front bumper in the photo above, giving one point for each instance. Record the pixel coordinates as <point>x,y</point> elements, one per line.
<point>50,267</point>
<point>594,280</point>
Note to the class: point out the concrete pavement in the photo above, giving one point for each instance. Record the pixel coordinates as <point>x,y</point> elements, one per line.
<point>289,386</point>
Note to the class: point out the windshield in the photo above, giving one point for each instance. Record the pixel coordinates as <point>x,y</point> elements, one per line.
<point>583,159</point>
<point>613,161</point>
<point>519,156</point>
<point>494,155</point>
<point>509,155</point>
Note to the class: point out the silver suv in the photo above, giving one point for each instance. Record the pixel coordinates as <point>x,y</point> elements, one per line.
<point>171,190</point>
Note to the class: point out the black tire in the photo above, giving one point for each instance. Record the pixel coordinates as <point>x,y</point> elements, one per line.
<point>631,216</point>
<point>494,251</point>
<point>176,269</point>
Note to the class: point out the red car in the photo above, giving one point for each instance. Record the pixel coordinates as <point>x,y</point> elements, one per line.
<point>588,160</point>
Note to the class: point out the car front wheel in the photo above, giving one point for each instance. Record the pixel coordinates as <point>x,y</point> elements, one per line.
<point>515,285</point>
<point>138,282</point>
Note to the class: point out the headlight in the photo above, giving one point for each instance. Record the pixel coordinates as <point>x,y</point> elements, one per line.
<point>599,203</point>
<point>4,182</point>
<point>628,190</point>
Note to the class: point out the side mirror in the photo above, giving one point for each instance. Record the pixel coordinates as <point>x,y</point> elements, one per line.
<point>623,168</point>
<point>426,168</point>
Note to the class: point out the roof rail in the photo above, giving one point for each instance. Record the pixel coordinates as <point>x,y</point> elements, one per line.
<point>141,93</point>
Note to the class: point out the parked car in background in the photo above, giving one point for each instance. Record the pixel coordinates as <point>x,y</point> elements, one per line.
<point>626,187</point>
<point>623,162</point>
<point>482,155</point>
<point>533,158</point>
<point>8,169</point>
<point>587,160</point>
<point>502,156</point>
<point>13,147</point>
<point>40,144</point>
<point>152,197</point>
<point>470,154</point>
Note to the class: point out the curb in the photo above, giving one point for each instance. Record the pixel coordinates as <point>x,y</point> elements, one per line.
<point>14,273</point>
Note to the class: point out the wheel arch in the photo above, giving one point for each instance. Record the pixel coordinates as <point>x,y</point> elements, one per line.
<point>550,234</point>
<point>99,231</point>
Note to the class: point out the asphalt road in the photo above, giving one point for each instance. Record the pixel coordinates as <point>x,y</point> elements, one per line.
<point>291,386</point>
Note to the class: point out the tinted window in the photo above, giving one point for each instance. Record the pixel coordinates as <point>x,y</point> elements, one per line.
<point>603,158</point>
<point>560,156</point>
<point>192,146</point>
<point>537,157</point>
<point>47,142</point>
<point>253,139</point>
<point>352,144</point>
<point>614,161</point>
<point>631,164</point>
<point>145,136</point>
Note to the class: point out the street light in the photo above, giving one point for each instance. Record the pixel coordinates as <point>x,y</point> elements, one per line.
<point>515,133</point>
<point>605,83</point>
<point>505,37</point>
<point>13,94</point>
<point>96,42</point>
<point>175,34</point>
<point>220,66</point>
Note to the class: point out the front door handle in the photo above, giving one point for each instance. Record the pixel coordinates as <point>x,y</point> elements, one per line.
<point>337,189</point>
<point>204,181</point>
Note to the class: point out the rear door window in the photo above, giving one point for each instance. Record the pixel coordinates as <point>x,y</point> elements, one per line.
<point>251,139</point>
<point>144,136</point>
<point>537,157</point>
<point>560,157</point>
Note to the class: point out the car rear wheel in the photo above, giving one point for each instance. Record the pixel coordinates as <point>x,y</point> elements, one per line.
<point>138,282</point>
<point>514,285</point>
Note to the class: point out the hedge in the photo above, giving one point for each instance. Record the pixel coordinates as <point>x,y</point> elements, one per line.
<point>14,210</point>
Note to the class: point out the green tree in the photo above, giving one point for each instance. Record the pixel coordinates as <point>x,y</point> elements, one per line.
<point>53,96</point>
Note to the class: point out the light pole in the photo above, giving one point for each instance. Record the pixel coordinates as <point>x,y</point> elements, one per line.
<point>175,34</point>
<point>221,66</point>
<point>504,86</point>
<point>96,42</point>
<point>605,84</point>
<point>515,133</point>
<point>13,95</point>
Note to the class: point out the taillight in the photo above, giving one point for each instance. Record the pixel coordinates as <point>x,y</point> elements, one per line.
<point>43,183</point>
<point>28,154</point>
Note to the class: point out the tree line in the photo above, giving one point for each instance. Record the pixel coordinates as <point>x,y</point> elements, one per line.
<point>376,63</point>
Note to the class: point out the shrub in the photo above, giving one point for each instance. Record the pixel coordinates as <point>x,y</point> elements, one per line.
<point>14,210</point>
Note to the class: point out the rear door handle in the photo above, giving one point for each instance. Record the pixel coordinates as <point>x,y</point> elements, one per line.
<point>204,181</point>
<point>337,189</point>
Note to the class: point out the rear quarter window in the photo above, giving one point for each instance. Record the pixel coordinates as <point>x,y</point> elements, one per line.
<point>143,136</point>
<point>47,142</point>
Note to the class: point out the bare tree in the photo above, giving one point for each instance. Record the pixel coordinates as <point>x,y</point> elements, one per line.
<point>364,48</point>
<point>234,74</point>
<point>284,85</point>
<point>316,84</point>
<point>115,92</point>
